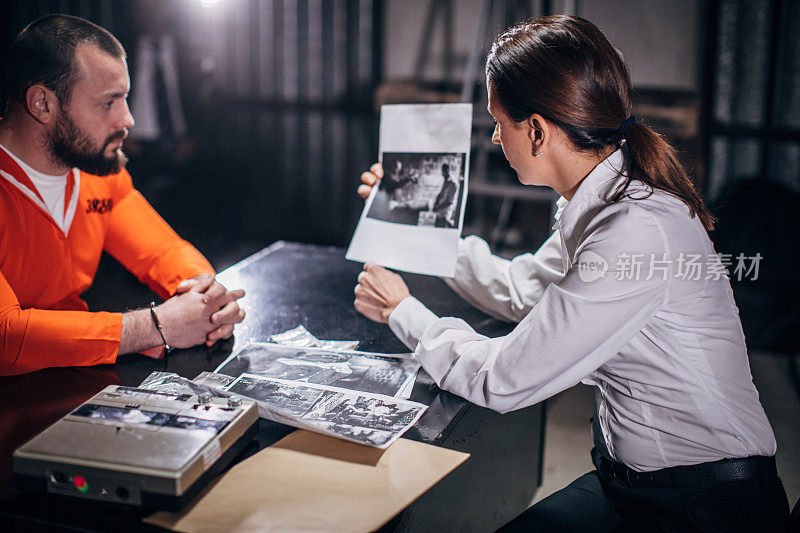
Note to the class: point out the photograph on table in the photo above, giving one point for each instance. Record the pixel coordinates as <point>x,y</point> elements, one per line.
<point>281,395</point>
<point>420,189</point>
<point>370,436</point>
<point>367,418</point>
<point>364,412</point>
<point>362,371</point>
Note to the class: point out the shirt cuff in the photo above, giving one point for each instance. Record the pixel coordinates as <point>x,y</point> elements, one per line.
<point>409,320</point>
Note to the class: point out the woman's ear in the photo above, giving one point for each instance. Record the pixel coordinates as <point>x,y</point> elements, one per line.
<point>539,133</point>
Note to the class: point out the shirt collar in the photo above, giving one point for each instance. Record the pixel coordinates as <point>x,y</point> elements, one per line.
<point>16,176</point>
<point>561,204</point>
<point>591,193</point>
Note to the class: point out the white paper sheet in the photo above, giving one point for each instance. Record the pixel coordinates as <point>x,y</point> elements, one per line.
<point>413,218</point>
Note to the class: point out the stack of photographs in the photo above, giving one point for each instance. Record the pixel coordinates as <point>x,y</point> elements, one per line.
<point>356,396</point>
<point>371,419</point>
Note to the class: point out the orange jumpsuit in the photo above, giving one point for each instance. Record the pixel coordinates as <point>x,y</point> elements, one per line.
<point>43,272</point>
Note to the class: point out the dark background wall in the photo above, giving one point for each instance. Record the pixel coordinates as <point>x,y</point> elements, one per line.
<point>277,97</point>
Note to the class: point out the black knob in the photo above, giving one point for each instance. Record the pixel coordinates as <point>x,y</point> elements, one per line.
<point>122,493</point>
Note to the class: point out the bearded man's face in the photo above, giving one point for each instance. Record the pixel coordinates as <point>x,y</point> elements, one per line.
<point>70,144</point>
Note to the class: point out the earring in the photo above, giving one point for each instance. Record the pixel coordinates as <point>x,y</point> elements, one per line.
<point>537,153</point>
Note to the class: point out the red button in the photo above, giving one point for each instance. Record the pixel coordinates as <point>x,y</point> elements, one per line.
<point>80,483</point>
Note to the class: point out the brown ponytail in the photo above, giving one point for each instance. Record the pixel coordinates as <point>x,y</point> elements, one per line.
<point>651,155</point>
<point>564,69</point>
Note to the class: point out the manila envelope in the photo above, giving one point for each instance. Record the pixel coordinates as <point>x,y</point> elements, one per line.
<point>312,482</point>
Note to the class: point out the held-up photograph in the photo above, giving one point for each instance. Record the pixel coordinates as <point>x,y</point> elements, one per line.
<point>420,189</point>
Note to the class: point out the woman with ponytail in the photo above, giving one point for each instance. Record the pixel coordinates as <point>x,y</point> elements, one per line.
<point>627,295</point>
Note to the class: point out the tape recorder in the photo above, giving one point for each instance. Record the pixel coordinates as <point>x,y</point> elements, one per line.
<point>136,446</point>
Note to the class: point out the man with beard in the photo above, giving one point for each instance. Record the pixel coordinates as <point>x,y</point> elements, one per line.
<point>65,197</point>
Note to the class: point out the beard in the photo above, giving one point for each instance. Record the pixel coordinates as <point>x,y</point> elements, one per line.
<point>70,145</point>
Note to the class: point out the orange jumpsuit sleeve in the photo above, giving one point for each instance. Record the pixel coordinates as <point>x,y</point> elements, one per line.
<point>31,339</point>
<point>148,247</point>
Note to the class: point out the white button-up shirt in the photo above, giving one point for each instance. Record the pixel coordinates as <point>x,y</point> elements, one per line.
<point>628,297</point>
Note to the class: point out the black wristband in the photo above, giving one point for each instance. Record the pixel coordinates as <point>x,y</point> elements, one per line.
<point>159,327</point>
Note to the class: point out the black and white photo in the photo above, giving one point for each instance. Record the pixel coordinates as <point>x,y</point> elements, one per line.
<point>371,419</point>
<point>413,218</point>
<point>361,371</point>
<point>280,395</point>
<point>420,189</point>
<point>369,436</point>
<point>363,411</point>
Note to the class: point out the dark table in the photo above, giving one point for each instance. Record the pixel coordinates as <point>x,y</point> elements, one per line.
<point>289,284</point>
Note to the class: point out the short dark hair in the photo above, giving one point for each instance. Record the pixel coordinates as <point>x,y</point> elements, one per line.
<point>44,53</point>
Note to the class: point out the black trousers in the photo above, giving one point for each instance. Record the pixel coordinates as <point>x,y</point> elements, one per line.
<point>601,501</point>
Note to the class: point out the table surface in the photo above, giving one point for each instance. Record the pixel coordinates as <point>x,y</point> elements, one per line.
<point>287,284</point>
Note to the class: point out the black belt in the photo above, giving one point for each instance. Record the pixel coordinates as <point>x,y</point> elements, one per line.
<point>698,475</point>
